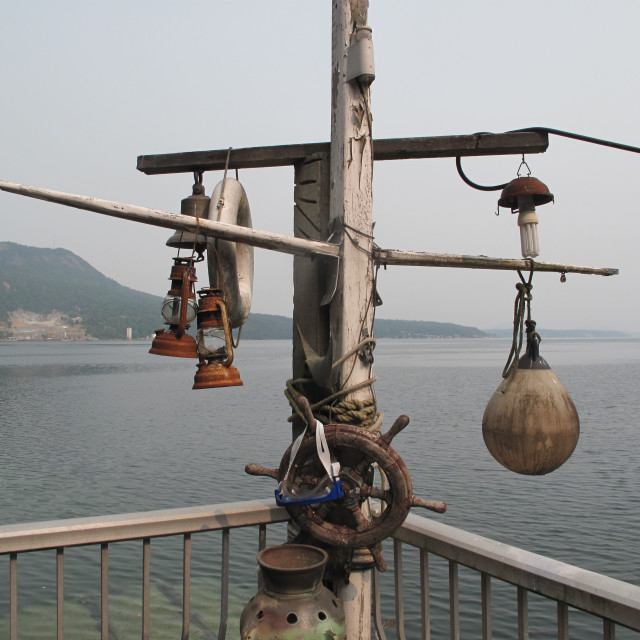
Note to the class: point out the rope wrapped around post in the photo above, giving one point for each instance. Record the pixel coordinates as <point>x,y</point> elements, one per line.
<point>361,413</point>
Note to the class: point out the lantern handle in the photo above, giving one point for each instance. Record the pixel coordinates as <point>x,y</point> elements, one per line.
<point>227,334</point>
<point>184,298</point>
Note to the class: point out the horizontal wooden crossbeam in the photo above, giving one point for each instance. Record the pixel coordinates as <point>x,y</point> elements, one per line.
<point>387,257</point>
<point>283,243</point>
<point>477,144</point>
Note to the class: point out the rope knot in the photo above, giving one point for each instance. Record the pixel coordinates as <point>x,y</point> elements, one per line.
<point>524,289</point>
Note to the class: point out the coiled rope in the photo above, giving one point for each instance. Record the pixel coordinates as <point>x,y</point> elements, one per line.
<point>363,413</point>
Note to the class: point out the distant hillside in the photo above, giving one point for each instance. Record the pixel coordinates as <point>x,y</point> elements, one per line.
<point>54,294</point>
<point>36,282</point>
<point>563,333</point>
<point>424,329</point>
<point>261,326</point>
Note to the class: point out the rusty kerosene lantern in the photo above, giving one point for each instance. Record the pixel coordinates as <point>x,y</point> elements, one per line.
<point>530,424</point>
<point>522,195</point>
<point>196,205</point>
<point>214,343</point>
<point>179,309</point>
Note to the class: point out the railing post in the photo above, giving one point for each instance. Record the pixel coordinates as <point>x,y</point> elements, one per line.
<point>224,586</point>
<point>104,591</point>
<point>608,630</point>
<point>563,621</point>
<point>13,596</point>
<point>397,581</point>
<point>186,585</point>
<point>485,580</point>
<point>60,592</point>
<point>523,614</point>
<point>454,601</point>
<point>425,611</point>
<point>146,586</point>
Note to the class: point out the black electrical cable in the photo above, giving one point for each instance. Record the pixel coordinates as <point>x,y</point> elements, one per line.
<point>578,136</point>
<point>547,130</point>
<point>475,185</point>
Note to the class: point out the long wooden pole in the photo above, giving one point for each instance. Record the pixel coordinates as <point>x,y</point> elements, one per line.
<point>253,237</point>
<point>350,213</point>
<point>287,244</point>
<point>385,257</point>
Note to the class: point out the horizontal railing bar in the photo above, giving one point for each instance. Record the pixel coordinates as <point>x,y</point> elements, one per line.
<point>17,538</point>
<point>475,144</point>
<point>595,593</point>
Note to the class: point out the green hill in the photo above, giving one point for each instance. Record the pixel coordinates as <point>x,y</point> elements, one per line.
<point>424,329</point>
<point>54,294</point>
<point>44,280</point>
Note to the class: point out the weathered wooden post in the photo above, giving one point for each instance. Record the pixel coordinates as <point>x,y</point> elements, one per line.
<point>351,216</point>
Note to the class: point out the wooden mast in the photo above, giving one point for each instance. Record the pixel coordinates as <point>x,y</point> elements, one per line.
<point>350,215</point>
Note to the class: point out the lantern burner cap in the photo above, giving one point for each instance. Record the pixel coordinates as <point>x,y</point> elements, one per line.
<point>526,186</point>
<point>212,375</point>
<point>166,343</point>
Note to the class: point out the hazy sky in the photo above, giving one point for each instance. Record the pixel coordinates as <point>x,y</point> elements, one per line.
<point>88,86</point>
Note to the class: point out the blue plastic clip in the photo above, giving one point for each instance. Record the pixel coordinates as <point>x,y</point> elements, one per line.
<point>285,499</point>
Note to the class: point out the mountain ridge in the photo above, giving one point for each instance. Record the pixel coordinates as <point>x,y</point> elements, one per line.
<point>55,294</point>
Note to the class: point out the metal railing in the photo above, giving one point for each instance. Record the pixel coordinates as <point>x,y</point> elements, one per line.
<point>61,534</point>
<point>615,602</point>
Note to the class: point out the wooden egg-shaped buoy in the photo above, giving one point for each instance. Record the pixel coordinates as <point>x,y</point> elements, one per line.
<point>531,425</point>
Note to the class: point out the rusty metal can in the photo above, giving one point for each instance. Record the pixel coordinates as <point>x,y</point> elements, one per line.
<point>292,603</point>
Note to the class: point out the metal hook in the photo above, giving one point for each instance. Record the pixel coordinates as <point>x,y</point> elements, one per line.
<point>524,164</point>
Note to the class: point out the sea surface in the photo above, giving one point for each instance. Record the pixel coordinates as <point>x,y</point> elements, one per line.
<point>97,428</point>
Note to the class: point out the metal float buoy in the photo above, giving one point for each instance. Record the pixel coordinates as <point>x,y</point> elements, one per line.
<point>531,425</point>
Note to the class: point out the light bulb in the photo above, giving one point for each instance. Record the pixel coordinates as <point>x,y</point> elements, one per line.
<point>528,223</point>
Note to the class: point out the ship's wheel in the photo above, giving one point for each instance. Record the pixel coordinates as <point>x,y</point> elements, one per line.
<point>349,521</point>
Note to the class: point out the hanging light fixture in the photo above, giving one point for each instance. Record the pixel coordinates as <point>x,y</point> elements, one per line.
<point>522,195</point>
<point>214,343</point>
<point>179,309</point>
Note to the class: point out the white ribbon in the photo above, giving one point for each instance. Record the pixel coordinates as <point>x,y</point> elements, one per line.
<point>332,469</point>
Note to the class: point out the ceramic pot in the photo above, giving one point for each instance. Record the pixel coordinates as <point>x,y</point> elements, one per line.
<point>292,603</point>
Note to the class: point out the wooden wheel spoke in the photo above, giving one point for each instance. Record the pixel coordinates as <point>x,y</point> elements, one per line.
<point>433,505</point>
<point>361,520</point>
<point>381,564</point>
<point>367,491</point>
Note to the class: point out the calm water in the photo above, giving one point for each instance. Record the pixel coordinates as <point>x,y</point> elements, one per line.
<point>97,428</point>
